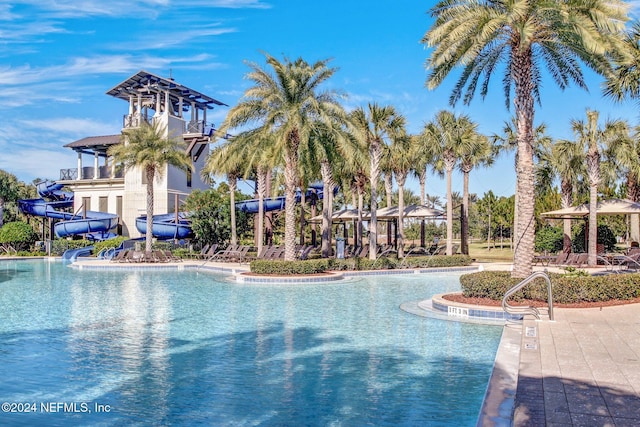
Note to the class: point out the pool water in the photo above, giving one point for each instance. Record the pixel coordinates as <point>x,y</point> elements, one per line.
<point>192,348</point>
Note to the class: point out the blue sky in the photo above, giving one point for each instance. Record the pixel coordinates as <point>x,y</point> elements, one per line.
<point>59,57</point>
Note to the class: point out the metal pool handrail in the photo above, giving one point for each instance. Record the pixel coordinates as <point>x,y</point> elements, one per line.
<point>530,310</point>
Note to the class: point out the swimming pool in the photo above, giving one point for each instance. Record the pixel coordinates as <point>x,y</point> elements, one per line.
<point>193,348</point>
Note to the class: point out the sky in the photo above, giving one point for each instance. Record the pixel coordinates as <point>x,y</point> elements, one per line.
<point>58,58</point>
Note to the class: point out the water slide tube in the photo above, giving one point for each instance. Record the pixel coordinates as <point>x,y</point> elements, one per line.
<point>166,227</point>
<point>277,203</point>
<point>95,225</point>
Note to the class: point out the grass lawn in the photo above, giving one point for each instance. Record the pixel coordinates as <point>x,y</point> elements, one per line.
<point>479,252</point>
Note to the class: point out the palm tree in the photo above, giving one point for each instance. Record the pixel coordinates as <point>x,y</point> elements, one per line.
<point>528,35</point>
<point>478,153</point>
<point>447,136</point>
<point>565,160</point>
<point>401,160</point>
<point>225,160</point>
<point>625,80</point>
<point>286,107</point>
<point>150,148</point>
<point>625,153</point>
<point>594,139</point>
<point>373,127</point>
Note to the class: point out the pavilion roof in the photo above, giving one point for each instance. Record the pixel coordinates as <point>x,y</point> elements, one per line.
<point>95,142</point>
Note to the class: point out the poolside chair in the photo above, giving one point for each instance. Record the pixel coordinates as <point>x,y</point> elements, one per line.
<point>560,259</point>
<point>304,252</point>
<point>631,262</point>
<point>576,260</point>
<point>364,252</point>
<point>224,253</point>
<point>200,254</point>
<point>120,256</point>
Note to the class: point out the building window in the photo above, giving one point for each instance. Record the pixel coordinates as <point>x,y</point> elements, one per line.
<point>103,204</point>
<point>189,176</point>
<point>86,203</point>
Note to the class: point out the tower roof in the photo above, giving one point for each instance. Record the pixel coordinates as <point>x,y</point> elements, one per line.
<point>145,82</point>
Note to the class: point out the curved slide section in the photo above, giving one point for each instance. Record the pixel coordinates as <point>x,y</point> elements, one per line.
<point>277,203</point>
<point>166,227</point>
<point>95,225</point>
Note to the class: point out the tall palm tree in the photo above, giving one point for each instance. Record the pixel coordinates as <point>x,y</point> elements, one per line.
<point>224,160</point>
<point>625,153</point>
<point>373,127</point>
<point>287,106</point>
<point>401,161</point>
<point>479,152</point>
<point>566,160</point>
<point>529,36</point>
<point>594,139</point>
<point>447,136</point>
<point>150,148</point>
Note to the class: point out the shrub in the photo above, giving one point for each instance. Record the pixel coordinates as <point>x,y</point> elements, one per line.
<point>566,288</point>
<point>282,268</point>
<point>605,237</point>
<point>18,234</point>
<point>105,244</point>
<point>385,263</point>
<point>58,246</point>
<point>549,239</point>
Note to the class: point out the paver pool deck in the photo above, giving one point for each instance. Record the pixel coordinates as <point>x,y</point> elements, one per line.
<point>582,369</point>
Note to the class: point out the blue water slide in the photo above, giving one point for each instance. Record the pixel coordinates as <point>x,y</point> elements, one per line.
<point>95,225</point>
<point>73,254</point>
<point>165,226</point>
<point>277,203</point>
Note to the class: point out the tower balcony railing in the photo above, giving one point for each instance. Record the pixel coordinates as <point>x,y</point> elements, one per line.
<point>134,120</point>
<point>104,172</point>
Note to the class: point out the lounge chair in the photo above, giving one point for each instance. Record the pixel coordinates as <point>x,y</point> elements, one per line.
<point>120,256</point>
<point>223,254</point>
<point>560,259</point>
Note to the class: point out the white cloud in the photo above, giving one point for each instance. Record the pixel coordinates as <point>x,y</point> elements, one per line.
<point>37,164</point>
<point>69,126</point>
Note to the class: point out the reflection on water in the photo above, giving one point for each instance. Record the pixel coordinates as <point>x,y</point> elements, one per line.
<point>186,349</point>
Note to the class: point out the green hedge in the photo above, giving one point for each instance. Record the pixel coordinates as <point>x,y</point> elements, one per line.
<point>289,267</point>
<point>386,263</point>
<point>566,289</point>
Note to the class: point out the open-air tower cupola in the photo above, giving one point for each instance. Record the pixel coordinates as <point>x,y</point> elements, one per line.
<point>183,110</point>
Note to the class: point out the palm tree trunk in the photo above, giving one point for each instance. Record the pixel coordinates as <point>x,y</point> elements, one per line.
<point>1,211</point>
<point>327,193</point>
<point>148,238</point>
<point>633,194</point>
<point>359,227</point>
<point>521,70</point>
<point>401,178</point>
<point>449,211</point>
<point>464,240</point>
<point>593,171</point>
<point>290,181</point>
<point>375,154</point>
<point>233,185</point>
<point>422,179</point>
<point>261,184</point>
<point>303,223</point>
<point>566,198</point>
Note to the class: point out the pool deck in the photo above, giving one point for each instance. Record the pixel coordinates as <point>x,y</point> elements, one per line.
<point>582,369</point>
